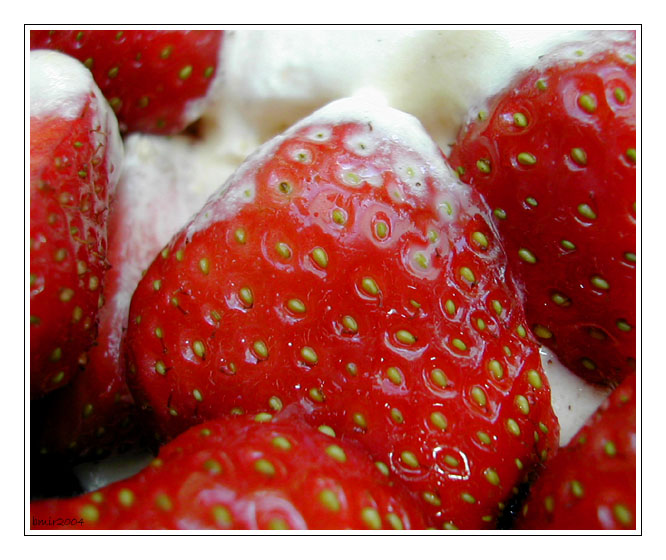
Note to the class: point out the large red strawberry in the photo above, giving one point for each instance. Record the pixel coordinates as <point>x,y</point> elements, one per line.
<point>555,156</point>
<point>156,81</point>
<point>75,159</point>
<point>245,473</point>
<point>343,267</point>
<point>591,483</point>
<point>94,415</point>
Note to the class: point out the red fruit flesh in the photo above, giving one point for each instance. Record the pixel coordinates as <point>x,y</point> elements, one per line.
<point>72,177</point>
<point>245,474</point>
<point>151,78</point>
<point>555,158</point>
<point>345,270</point>
<point>591,483</point>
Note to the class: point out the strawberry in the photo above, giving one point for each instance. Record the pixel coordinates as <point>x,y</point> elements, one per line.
<point>242,473</point>
<point>344,268</point>
<point>156,81</point>
<point>554,155</point>
<point>75,158</point>
<point>95,414</point>
<point>591,483</point>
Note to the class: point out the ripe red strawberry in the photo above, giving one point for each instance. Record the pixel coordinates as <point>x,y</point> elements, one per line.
<point>94,415</point>
<point>555,157</point>
<point>591,483</point>
<point>75,157</point>
<point>245,474</point>
<point>156,81</point>
<point>343,267</point>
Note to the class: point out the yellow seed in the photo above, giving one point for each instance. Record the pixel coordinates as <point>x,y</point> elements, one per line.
<point>163,502</point>
<point>480,239</point>
<point>432,498</point>
<point>369,286</point>
<point>309,355</point>
<point>275,403</point>
<point>467,274</point>
<point>260,349</point>
<point>439,378</point>
<point>478,396</point>
<point>126,497</point>
<point>542,332</point>
<point>526,158</point>
<point>360,420</point>
<point>339,217</point>
<point>397,416</point>
<point>394,521</point>
<point>320,257</point>
<point>577,489</point>
<point>350,324</point>
<point>496,369</point>
<point>459,344</point>
<point>468,498</point>
<point>600,283</point>
<point>263,417</point>
<point>281,443</point>
<point>382,468</point>
<point>212,466</point>
<point>588,103</point>
<point>246,296</point>
<point>451,461</point>
<point>197,395</point>
<point>579,156</point>
<point>296,306</point>
<point>329,500</point>
<point>492,476</point>
<point>66,294</point>
<point>585,210</point>
<point>336,452</point>
<point>371,518</point>
<point>534,379</point>
<point>283,250</point>
<point>405,337</point>
<point>450,307</point>
<point>439,420</point>
<point>394,375</point>
<point>421,260</point>
<point>316,395</point>
<point>264,466</point>
<point>522,404</point>
<point>622,514</point>
<point>221,515</point>
<point>89,513</point>
<point>241,236</point>
<point>204,265</point>
<point>352,369</point>
<point>527,256</point>
<point>409,459</point>
<point>324,429</point>
<point>483,438</point>
<point>513,427</point>
<point>198,348</point>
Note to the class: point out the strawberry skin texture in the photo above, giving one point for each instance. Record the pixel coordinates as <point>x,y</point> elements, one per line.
<point>554,156</point>
<point>591,483</point>
<point>149,77</point>
<point>344,271</point>
<point>73,174</point>
<point>246,473</point>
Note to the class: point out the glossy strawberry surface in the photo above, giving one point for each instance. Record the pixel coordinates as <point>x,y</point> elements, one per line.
<point>345,269</point>
<point>73,172</point>
<point>245,473</point>
<point>152,78</point>
<point>554,155</point>
<point>591,483</point>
